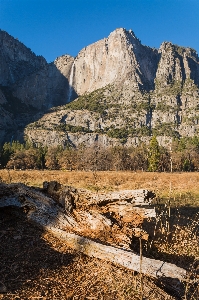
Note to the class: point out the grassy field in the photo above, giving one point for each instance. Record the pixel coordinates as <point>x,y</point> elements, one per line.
<point>180,187</point>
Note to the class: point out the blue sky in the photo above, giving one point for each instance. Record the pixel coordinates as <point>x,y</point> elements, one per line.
<point>55,27</point>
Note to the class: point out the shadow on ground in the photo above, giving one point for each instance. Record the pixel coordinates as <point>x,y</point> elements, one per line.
<point>24,254</point>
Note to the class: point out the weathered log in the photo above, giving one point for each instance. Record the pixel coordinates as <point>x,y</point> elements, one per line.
<point>66,196</point>
<point>127,210</point>
<point>69,197</point>
<point>46,213</point>
<point>151,267</point>
<point>140,197</point>
<point>41,208</point>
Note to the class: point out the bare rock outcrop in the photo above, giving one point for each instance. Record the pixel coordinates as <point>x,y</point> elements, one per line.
<point>176,65</point>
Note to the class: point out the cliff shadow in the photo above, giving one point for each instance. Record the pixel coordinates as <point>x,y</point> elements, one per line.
<point>51,89</point>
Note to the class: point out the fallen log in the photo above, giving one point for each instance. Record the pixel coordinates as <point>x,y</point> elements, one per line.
<point>140,197</point>
<point>151,267</point>
<point>46,213</point>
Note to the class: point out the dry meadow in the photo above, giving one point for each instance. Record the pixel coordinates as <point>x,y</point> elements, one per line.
<point>182,186</point>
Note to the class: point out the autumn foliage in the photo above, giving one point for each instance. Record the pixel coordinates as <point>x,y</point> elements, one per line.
<point>181,155</point>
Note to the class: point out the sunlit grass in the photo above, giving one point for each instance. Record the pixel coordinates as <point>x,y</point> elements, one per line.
<point>179,188</point>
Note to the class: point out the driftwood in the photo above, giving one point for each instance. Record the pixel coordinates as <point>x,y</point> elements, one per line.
<point>59,210</point>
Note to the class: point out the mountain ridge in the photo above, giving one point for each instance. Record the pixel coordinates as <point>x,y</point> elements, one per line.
<point>124,88</point>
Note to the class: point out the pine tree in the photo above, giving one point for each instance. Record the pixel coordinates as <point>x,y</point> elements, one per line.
<point>154,155</point>
<point>7,151</point>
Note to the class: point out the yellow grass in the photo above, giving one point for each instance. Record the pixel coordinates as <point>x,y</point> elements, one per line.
<point>183,185</point>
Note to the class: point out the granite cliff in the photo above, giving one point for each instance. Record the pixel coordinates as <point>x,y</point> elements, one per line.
<point>119,58</point>
<point>28,86</point>
<point>124,92</point>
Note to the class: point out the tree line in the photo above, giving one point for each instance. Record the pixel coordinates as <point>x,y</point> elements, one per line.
<point>182,155</point>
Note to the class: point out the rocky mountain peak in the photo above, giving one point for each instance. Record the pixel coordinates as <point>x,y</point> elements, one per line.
<point>123,33</point>
<point>16,60</point>
<point>126,39</point>
<point>119,57</point>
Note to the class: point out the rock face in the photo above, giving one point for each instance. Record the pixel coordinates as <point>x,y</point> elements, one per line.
<point>123,86</point>
<point>28,85</point>
<point>177,64</point>
<point>29,78</point>
<point>118,58</point>
<point>16,60</point>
